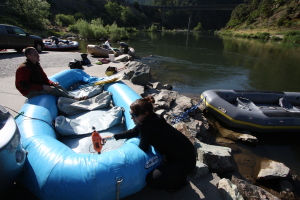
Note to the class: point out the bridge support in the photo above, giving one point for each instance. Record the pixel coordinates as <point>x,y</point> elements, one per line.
<point>190,19</point>
<point>162,16</point>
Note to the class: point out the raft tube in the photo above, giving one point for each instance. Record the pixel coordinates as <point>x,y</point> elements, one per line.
<point>54,171</point>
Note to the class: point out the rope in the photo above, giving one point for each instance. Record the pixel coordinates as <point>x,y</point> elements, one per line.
<point>22,113</point>
<point>184,115</point>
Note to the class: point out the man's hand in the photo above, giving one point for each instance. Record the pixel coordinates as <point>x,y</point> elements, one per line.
<point>47,88</point>
<point>55,84</point>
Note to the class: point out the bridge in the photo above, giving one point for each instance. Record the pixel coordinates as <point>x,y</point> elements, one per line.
<point>193,8</point>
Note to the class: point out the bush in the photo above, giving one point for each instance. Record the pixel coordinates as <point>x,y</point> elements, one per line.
<point>198,27</point>
<point>292,38</point>
<point>85,29</point>
<point>52,32</point>
<point>117,33</point>
<point>294,32</point>
<point>99,31</point>
<point>64,20</point>
<point>73,28</point>
<point>32,13</point>
<point>264,35</point>
<point>153,28</point>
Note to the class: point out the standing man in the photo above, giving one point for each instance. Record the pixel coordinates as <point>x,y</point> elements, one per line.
<point>31,79</point>
<point>124,46</point>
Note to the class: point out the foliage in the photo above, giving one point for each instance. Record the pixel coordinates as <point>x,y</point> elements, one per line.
<point>116,33</point>
<point>293,32</point>
<point>98,28</point>
<point>292,38</point>
<point>114,10</point>
<point>254,11</point>
<point>153,28</point>
<point>52,32</point>
<point>78,15</point>
<point>84,29</point>
<point>65,20</point>
<point>120,14</point>
<point>34,13</point>
<point>127,17</point>
<point>238,16</point>
<point>262,35</point>
<point>198,27</point>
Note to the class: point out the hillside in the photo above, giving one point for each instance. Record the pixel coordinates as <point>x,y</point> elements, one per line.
<point>274,16</point>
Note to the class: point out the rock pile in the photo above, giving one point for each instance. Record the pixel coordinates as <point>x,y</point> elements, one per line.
<point>212,158</point>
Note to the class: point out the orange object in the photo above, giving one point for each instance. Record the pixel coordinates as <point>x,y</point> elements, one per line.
<point>97,141</point>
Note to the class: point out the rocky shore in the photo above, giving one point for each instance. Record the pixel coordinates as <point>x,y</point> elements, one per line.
<point>188,116</point>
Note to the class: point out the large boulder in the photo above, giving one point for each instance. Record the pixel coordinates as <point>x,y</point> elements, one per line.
<point>217,158</point>
<point>164,99</point>
<point>123,58</point>
<point>138,73</point>
<point>270,169</point>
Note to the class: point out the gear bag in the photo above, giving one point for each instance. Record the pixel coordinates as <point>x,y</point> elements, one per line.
<point>75,64</point>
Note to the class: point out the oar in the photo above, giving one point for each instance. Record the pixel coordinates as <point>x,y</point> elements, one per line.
<point>110,80</point>
<point>115,53</point>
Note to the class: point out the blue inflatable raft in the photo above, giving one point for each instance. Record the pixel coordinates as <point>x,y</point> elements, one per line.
<point>54,171</point>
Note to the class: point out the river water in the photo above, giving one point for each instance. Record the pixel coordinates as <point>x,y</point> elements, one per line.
<point>193,63</point>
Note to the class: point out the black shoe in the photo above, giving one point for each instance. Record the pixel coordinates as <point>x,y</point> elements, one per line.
<point>179,186</point>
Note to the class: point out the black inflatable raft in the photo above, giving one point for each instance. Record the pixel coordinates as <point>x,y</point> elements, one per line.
<point>259,111</point>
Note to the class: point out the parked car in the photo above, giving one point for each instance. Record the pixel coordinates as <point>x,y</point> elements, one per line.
<point>13,37</point>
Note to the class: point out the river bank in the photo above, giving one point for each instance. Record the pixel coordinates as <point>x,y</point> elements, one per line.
<point>272,34</point>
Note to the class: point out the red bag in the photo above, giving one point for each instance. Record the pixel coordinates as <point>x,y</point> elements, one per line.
<point>104,60</point>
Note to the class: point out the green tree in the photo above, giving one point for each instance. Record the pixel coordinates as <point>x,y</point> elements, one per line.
<point>198,27</point>
<point>114,11</point>
<point>32,12</point>
<point>128,17</point>
<point>64,20</point>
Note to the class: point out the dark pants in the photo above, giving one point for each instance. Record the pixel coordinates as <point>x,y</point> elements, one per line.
<point>169,175</point>
<point>126,49</point>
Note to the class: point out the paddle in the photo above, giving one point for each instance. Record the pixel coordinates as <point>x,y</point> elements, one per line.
<point>111,79</point>
<point>115,53</point>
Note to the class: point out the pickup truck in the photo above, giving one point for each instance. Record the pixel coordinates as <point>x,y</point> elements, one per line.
<point>12,37</point>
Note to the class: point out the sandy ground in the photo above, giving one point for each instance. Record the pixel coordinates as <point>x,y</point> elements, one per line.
<point>203,187</point>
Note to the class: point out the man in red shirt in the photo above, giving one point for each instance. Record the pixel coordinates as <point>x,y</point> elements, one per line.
<point>31,79</point>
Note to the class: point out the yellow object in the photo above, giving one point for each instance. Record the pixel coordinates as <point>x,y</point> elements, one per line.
<point>109,73</point>
<point>111,80</point>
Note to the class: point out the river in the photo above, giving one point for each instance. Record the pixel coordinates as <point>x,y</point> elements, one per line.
<point>197,63</point>
<point>194,63</point>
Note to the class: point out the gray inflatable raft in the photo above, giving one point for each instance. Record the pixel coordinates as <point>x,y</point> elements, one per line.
<point>258,111</point>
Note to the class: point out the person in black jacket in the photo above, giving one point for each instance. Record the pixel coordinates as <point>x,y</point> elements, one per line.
<point>179,152</point>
